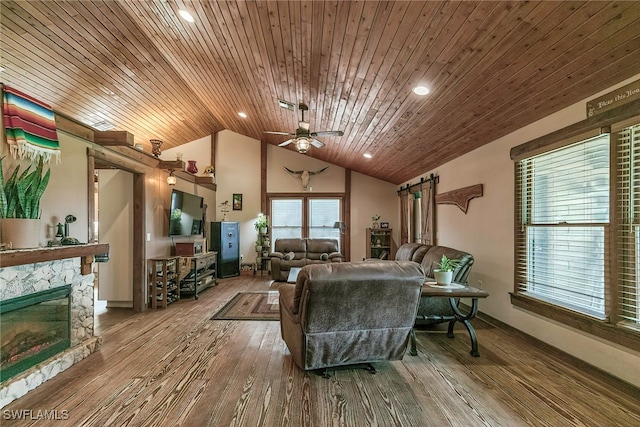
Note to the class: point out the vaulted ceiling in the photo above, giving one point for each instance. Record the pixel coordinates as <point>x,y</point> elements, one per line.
<point>492,67</point>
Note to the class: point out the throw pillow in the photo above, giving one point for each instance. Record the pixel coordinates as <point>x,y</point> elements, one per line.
<point>324,257</point>
<point>289,256</point>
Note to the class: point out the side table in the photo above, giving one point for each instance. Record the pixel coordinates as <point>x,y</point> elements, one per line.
<point>454,292</point>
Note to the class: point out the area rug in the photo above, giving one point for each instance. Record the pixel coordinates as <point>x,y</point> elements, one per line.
<point>261,305</point>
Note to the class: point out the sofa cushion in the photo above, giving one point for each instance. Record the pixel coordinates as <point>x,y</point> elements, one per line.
<point>297,246</point>
<point>316,247</point>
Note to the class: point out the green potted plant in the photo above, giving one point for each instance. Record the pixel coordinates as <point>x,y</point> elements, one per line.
<point>20,204</point>
<point>262,224</point>
<point>444,273</point>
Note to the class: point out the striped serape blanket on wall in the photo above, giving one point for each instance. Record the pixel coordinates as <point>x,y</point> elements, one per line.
<point>30,126</point>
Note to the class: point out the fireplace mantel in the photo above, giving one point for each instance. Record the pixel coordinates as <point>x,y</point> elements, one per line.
<point>31,256</point>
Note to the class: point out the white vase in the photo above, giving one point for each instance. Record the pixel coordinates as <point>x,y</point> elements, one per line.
<point>22,233</point>
<point>443,277</point>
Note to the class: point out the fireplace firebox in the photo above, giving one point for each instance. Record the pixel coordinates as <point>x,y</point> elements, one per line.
<point>34,328</point>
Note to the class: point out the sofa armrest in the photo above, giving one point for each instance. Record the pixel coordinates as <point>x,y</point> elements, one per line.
<point>276,255</point>
<point>336,257</point>
<point>287,301</point>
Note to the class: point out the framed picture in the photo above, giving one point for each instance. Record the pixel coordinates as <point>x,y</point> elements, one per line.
<point>237,202</point>
<point>384,225</point>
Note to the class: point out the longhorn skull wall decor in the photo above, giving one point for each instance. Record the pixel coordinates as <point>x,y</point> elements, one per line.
<point>305,176</point>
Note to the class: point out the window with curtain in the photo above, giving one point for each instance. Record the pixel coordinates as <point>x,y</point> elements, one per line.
<point>577,239</point>
<point>305,216</point>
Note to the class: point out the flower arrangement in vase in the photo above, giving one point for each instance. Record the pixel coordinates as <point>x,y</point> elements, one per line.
<point>374,220</point>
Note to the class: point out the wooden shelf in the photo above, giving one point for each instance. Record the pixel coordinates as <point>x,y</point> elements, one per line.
<point>204,181</point>
<point>31,256</point>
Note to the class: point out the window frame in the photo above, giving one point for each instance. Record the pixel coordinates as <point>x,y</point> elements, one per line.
<point>305,197</point>
<point>609,328</point>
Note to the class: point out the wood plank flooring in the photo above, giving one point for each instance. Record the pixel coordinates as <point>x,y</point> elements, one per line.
<point>176,367</point>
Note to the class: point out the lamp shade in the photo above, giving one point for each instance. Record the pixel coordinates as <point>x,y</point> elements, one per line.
<point>171,179</point>
<point>303,144</point>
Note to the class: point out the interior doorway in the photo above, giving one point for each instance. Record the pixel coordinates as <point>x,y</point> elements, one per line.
<point>114,224</point>
<point>117,212</point>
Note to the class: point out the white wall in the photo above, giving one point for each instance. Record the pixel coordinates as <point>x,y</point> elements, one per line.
<point>66,193</point>
<point>371,196</point>
<point>279,180</point>
<point>487,232</point>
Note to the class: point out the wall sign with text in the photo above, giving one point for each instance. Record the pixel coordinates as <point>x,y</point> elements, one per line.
<point>614,99</point>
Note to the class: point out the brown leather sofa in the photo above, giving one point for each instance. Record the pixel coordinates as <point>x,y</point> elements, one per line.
<point>350,313</point>
<point>435,310</point>
<point>305,252</point>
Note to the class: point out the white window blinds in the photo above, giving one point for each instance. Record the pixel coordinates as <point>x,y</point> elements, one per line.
<point>286,219</point>
<point>628,233</point>
<point>562,211</point>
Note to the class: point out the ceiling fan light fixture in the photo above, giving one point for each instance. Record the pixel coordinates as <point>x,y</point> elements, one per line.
<point>186,16</point>
<point>303,144</point>
<point>421,90</point>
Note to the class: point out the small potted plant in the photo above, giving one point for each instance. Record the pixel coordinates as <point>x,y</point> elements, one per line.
<point>374,220</point>
<point>20,204</point>
<point>444,273</point>
<point>261,224</point>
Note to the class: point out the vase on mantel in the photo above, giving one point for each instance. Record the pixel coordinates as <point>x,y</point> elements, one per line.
<point>155,147</point>
<point>191,167</point>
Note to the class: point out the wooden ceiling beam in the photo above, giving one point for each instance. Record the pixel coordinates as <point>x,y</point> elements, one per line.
<point>109,138</point>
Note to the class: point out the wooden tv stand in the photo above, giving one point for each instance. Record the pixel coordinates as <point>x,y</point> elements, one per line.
<point>200,273</point>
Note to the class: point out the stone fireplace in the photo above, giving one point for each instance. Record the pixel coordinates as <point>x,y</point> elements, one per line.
<point>46,310</point>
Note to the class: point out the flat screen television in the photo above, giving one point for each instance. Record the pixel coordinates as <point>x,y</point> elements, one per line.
<point>185,216</point>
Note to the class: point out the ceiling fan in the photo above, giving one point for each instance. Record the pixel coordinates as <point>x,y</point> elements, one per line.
<point>303,138</point>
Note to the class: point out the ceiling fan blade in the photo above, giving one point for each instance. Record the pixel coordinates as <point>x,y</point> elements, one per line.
<point>279,133</point>
<point>327,133</point>
<point>287,142</point>
<point>316,143</point>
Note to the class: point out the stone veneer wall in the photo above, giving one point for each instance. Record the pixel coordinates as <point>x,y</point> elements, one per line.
<point>30,278</point>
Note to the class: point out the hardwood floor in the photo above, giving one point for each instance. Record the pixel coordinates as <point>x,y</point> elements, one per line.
<point>177,367</point>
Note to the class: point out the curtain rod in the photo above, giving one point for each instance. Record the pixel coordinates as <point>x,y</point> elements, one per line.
<point>412,187</point>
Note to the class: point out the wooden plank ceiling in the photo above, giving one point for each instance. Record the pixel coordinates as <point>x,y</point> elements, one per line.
<point>492,68</point>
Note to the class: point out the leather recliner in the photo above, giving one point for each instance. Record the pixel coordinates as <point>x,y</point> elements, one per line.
<point>340,314</point>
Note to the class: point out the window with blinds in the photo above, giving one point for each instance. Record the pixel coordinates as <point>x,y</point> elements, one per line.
<point>323,213</point>
<point>563,216</point>
<point>286,219</point>
<point>295,217</point>
<point>628,232</point>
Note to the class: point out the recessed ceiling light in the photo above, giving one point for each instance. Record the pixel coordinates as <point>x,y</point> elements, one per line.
<point>186,16</point>
<point>367,155</point>
<point>420,90</point>
<point>1,69</point>
<point>242,114</point>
